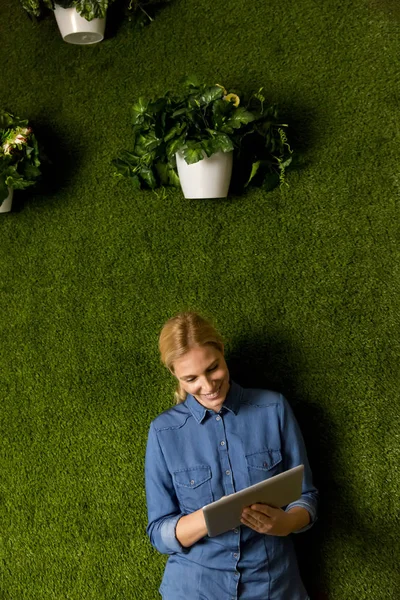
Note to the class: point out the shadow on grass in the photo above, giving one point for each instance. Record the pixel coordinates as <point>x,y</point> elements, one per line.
<point>119,12</point>
<point>272,364</point>
<point>302,136</point>
<point>303,126</point>
<point>58,163</point>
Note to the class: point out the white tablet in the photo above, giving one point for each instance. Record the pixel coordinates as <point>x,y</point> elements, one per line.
<point>278,491</point>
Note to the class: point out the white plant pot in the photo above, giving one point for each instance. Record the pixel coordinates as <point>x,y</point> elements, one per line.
<point>7,203</point>
<point>75,29</point>
<point>208,178</point>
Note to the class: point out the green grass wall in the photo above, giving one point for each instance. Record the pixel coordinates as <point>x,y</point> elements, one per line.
<point>303,282</point>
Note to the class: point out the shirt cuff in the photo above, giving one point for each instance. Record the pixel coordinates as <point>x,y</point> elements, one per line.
<point>309,508</point>
<point>168,536</point>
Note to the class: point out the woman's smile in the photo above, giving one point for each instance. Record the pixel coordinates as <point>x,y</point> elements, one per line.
<point>213,395</point>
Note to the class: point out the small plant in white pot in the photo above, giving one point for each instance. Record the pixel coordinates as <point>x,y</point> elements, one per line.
<point>19,158</point>
<point>193,139</point>
<point>79,21</point>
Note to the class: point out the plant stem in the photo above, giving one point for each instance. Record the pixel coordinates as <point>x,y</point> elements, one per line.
<point>146,13</point>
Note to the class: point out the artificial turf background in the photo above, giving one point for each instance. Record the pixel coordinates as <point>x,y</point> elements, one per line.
<point>304,283</point>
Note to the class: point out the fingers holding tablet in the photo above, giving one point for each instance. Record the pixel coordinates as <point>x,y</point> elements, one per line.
<point>266,519</point>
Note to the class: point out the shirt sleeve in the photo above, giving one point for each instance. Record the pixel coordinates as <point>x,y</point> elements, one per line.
<point>295,454</point>
<point>162,505</point>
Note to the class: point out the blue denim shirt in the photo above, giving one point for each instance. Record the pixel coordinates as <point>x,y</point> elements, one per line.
<point>195,456</point>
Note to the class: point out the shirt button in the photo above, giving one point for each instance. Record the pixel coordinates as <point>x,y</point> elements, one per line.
<point>222,443</point>
<point>218,418</point>
<point>192,482</point>
<point>235,555</point>
<point>227,472</point>
<point>236,530</point>
<point>236,574</point>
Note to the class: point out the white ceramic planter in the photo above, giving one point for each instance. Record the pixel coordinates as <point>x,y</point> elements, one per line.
<point>7,203</point>
<point>208,178</point>
<point>75,29</point>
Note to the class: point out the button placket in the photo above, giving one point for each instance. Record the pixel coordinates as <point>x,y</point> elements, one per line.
<point>225,466</point>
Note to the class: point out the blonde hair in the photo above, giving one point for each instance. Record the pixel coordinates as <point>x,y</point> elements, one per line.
<point>179,335</point>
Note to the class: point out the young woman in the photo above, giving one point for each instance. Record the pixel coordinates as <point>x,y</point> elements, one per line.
<point>219,439</point>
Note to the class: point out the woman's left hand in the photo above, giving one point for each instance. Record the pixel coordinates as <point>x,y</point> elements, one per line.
<point>265,519</point>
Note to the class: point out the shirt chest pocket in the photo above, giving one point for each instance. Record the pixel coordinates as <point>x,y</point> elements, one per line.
<point>263,465</point>
<point>193,487</point>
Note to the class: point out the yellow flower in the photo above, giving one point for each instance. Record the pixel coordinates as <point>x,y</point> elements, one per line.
<point>222,88</point>
<point>232,98</point>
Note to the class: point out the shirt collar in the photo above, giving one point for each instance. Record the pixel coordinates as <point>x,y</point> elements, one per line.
<point>232,403</point>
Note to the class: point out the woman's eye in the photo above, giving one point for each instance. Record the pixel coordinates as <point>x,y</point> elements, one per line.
<point>213,368</point>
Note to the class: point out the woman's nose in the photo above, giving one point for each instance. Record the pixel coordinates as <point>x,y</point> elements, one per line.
<point>207,385</point>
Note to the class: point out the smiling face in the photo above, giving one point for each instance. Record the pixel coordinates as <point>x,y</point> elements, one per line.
<point>203,373</point>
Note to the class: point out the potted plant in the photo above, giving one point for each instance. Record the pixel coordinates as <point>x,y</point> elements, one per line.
<point>83,21</point>
<point>79,21</point>
<point>203,131</point>
<point>19,158</point>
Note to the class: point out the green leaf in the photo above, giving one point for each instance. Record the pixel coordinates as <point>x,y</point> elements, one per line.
<point>284,164</point>
<point>138,111</point>
<point>167,174</point>
<point>221,111</point>
<point>208,147</point>
<point>210,95</point>
<point>147,175</point>
<point>7,121</point>
<point>129,158</point>
<point>91,9</point>
<point>176,130</point>
<point>34,7</point>
<point>193,153</point>
<point>135,182</point>
<point>254,168</point>
<point>126,165</point>
<point>179,112</point>
<point>16,181</point>
<point>191,81</point>
<point>174,146</point>
<point>154,108</point>
<point>146,142</point>
<point>121,168</point>
<point>220,142</point>
<point>239,117</point>
<point>31,171</point>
